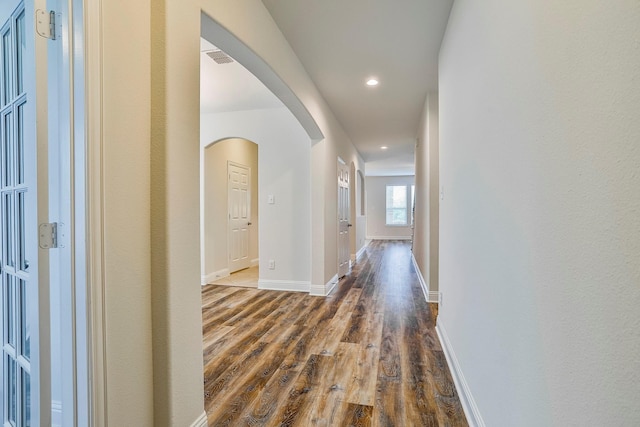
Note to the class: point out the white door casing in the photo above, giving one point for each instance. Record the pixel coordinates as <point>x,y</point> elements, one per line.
<point>239,202</point>
<point>67,207</point>
<point>344,257</point>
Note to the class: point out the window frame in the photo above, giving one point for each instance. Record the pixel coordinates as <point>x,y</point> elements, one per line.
<point>408,205</point>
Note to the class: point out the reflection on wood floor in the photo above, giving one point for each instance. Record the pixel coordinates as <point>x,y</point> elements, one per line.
<point>366,355</point>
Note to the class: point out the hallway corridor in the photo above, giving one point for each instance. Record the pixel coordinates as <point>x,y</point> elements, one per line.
<point>366,355</point>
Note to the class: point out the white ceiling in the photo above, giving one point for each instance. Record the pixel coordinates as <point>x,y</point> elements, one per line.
<point>343,43</point>
<point>230,87</point>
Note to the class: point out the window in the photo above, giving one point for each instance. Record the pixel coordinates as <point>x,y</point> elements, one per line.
<point>397,205</point>
<point>400,202</point>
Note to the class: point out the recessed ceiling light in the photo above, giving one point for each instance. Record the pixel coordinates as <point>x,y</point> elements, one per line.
<point>372,82</point>
<point>384,147</point>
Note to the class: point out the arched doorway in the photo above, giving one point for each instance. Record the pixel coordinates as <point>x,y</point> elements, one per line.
<point>229,210</point>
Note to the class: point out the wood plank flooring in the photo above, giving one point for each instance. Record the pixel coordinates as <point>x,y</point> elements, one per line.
<point>367,355</point>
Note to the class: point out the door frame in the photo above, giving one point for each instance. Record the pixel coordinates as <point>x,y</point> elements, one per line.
<point>249,195</point>
<point>77,81</point>
<point>94,133</point>
<point>342,167</point>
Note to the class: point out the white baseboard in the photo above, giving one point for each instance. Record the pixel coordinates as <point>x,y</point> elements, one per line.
<point>255,262</point>
<point>435,296</point>
<point>201,421</point>
<point>388,237</point>
<point>204,280</point>
<point>331,284</point>
<point>362,249</point>
<point>317,290</point>
<point>423,283</point>
<point>469,406</point>
<point>324,290</point>
<point>56,413</point>
<point>430,296</point>
<point>284,285</point>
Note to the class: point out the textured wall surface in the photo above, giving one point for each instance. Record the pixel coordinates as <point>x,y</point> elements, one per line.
<point>127,276</point>
<point>540,222</point>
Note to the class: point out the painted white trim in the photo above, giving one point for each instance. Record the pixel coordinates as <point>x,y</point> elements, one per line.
<point>56,413</point>
<point>220,274</point>
<point>95,213</point>
<point>430,296</point>
<point>317,290</point>
<point>201,421</point>
<point>435,297</point>
<point>324,290</point>
<point>388,237</point>
<point>423,284</point>
<point>331,284</point>
<point>255,262</point>
<point>362,249</point>
<point>284,285</point>
<point>469,406</point>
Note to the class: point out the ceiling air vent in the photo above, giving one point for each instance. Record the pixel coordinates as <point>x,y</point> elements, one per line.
<point>219,56</point>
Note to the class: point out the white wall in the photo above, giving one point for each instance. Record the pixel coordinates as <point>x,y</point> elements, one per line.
<point>284,155</point>
<point>377,208</point>
<point>214,203</point>
<point>426,228</point>
<point>540,223</point>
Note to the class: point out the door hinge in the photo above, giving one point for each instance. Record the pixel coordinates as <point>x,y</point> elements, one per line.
<point>48,235</point>
<point>46,24</point>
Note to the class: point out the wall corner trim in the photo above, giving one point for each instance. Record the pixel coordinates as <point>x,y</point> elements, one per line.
<point>430,296</point>
<point>284,285</point>
<point>201,421</point>
<point>324,290</point>
<point>469,406</point>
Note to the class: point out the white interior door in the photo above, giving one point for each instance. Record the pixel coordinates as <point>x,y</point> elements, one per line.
<point>344,258</point>
<point>239,216</point>
<point>24,277</point>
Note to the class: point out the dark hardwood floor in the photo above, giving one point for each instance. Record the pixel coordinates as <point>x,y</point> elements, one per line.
<point>366,355</point>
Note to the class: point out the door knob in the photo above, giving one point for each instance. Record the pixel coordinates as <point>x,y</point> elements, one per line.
<point>248,223</point>
<point>349,225</point>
